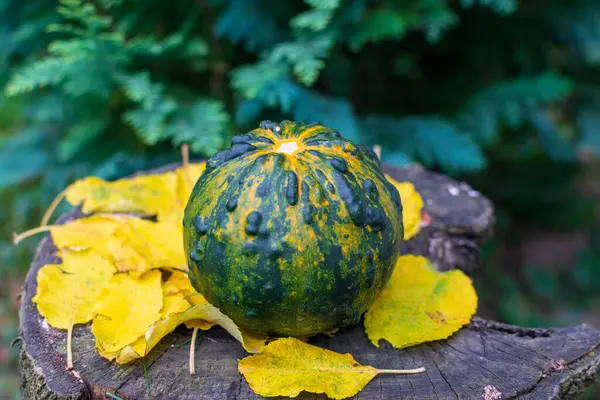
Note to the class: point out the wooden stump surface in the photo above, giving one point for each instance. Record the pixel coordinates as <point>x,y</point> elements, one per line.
<point>483,359</point>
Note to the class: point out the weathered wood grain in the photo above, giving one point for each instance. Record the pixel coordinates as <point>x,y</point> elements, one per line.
<point>461,218</point>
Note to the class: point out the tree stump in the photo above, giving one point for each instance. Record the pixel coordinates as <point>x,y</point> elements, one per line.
<point>484,360</point>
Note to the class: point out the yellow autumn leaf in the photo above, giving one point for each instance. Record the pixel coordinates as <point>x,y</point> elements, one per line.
<point>145,195</point>
<point>288,366</point>
<point>420,304</point>
<point>67,292</point>
<point>174,292</point>
<point>207,312</point>
<point>165,240</point>
<point>133,244</point>
<point>185,178</point>
<point>199,324</point>
<point>180,281</point>
<point>139,245</point>
<point>127,307</point>
<point>157,194</point>
<point>83,233</point>
<point>191,174</point>
<point>89,232</point>
<point>173,304</point>
<point>412,204</point>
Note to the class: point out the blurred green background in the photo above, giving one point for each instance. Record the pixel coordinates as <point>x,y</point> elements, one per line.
<point>503,94</point>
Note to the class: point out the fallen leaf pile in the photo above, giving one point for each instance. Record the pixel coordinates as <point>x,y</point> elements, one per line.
<point>124,273</point>
<point>127,275</point>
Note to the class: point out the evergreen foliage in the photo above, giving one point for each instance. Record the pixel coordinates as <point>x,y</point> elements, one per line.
<point>412,76</point>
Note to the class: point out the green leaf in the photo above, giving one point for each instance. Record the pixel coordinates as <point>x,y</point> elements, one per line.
<point>379,25</point>
<point>323,4</point>
<point>150,123</point>
<point>314,20</point>
<point>248,80</point>
<point>139,88</point>
<point>203,126</point>
<point>306,56</point>
<point>503,7</point>
<point>196,47</point>
<point>150,118</point>
<point>110,3</point>
<point>85,13</point>
<point>436,21</point>
<point>429,139</point>
<point>510,102</point>
<point>282,93</point>
<point>41,73</point>
<point>89,77</point>
<point>253,23</point>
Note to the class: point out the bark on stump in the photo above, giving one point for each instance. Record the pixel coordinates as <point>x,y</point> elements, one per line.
<point>484,360</point>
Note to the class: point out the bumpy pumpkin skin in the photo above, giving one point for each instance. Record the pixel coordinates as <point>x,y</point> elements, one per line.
<point>292,244</point>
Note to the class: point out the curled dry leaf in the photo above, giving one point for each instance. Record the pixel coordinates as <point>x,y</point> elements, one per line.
<point>251,342</point>
<point>420,304</point>
<point>182,282</point>
<point>286,367</point>
<point>412,204</point>
<point>174,303</point>
<point>177,311</point>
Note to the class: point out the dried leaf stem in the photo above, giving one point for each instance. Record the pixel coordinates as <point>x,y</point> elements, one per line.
<point>70,347</point>
<point>52,207</point>
<point>24,235</point>
<point>185,160</point>
<point>193,351</point>
<point>401,371</point>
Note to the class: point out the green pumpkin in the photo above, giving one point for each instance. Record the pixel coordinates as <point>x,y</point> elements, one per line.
<point>293,230</point>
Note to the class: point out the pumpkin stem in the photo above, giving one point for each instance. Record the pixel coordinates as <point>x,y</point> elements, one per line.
<point>192,351</point>
<point>53,206</point>
<point>30,232</point>
<point>287,146</point>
